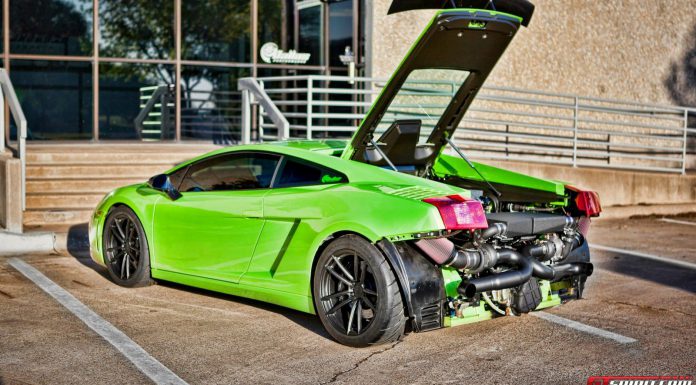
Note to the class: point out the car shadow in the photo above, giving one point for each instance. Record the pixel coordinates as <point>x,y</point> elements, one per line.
<point>663,273</point>
<point>308,321</point>
<point>78,248</point>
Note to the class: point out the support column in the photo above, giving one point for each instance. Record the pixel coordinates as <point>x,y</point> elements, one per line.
<point>11,214</point>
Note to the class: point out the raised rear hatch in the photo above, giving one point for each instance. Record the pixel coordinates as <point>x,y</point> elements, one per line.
<point>449,62</point>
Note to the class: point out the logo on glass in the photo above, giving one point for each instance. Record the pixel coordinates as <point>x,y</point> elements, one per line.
<point>270,53</point>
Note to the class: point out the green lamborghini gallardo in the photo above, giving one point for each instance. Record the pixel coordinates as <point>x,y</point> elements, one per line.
<point>380,235</point>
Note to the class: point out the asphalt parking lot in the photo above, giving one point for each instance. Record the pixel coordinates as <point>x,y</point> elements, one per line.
<point>207,338</point>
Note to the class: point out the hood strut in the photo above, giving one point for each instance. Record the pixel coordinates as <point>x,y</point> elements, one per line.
<point>483,178</point>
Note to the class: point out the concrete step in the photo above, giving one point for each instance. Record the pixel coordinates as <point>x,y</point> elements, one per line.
<point>66,181</point>
<point>84,186</point>
<point>49,158</point>
<point>97,171</point>
<point>69,200</point>
<point>55,216</point>
<point>124,147</point>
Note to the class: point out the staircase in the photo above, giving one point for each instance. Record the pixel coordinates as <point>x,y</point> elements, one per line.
<point>66,181</point>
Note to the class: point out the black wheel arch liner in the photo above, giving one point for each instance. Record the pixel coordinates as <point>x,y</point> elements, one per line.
<point>421,281</point>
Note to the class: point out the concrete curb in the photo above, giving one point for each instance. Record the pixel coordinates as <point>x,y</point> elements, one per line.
<point>620,212</point>
<point>27,243</point>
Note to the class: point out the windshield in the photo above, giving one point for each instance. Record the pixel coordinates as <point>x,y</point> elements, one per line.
<point>424,96</point>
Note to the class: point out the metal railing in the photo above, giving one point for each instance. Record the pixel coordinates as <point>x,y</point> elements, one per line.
<point>502,124</point>
<point>205,114</point>
<point>154,121</point>
<point>20,150</point>
<point>253,93</point>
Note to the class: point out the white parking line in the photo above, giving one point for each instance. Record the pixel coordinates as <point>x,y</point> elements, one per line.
<point>678,222</point>
<point>584,328</point>
<point>147,364</point>
<point>675,262</point>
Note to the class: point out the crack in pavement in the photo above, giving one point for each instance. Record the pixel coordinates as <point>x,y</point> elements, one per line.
<point>8,295</point>
<point>360,362</point>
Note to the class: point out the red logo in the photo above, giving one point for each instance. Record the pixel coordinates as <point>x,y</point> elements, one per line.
<point>640,380</point>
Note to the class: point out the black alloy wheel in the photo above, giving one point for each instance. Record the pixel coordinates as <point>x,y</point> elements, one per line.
<point>125,248</point>
<point>356,294</point>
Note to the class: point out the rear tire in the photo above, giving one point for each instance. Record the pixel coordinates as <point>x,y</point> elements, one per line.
<point>356,294</point>
<point>125,248</point>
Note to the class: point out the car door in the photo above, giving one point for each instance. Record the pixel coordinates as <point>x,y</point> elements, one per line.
<point>211,231</point>
<point>295,210</point>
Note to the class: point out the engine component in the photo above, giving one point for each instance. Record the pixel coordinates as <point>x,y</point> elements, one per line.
<point>526,297</point>
<point>473,259</point>
<point>492,305</point>
<point>526,223</point>
<point>496,229</point>
<point>554,248</point>
<point>545,250</point>
<point>504,280</point>
<point>527,268</point>
<point>557,272</point>
<point>570,243</point>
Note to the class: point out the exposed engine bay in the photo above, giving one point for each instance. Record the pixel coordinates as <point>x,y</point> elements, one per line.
<point>522,257</point>
<point>509,258</point>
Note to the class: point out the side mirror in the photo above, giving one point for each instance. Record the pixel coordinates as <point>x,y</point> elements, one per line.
<point>162,183</point>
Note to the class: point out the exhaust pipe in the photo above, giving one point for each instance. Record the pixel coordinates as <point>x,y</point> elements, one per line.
<point>555,273</point>
<point>504,280</point>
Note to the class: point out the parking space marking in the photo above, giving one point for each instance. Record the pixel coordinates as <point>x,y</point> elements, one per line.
<point>675,262</point>
<point>583,328</point>
<point>678,222</point>
<point>147,364</point>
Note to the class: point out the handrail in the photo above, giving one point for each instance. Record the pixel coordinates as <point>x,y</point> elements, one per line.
<point>251,88</point>
<point>158,95</point>
<point>17,113</point>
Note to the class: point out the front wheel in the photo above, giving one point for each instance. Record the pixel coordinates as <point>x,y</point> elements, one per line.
<point>356,294</point>
<point>125,248</point>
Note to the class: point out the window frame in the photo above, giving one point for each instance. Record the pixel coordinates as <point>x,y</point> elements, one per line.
<point>190,166</point>
<point>281,168</point>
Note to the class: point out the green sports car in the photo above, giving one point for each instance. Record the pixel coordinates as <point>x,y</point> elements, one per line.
<point>380,235</point>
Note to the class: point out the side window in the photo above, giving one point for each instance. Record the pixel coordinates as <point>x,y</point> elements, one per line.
<point>231,172</point>
<point>177,176</point>
<point>296,173</point>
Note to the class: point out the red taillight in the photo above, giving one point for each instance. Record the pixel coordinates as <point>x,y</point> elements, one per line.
<point>587,201</point>
<point>460,213</point>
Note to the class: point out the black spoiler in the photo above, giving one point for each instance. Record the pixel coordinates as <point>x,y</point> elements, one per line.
<point>521,8</point>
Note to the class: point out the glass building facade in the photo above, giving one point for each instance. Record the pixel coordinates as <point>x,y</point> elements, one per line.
<point>83,69</point>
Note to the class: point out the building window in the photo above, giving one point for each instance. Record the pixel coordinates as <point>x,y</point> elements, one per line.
<point>211,104</point>
<point>141,29</point>
<point>216,30</point>
<point>311,31</point>
<point>276,23</point>
<point>123,91</point>
<point>51,27</point>
<point>340,31</point>
<point>60,69</point>
<point>56,97</point>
